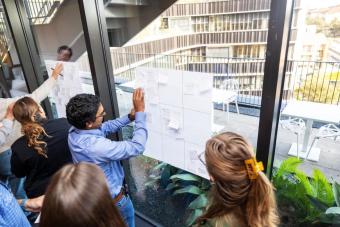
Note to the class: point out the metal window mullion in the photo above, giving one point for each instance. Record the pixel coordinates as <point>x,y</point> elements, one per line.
<point>274,76</point>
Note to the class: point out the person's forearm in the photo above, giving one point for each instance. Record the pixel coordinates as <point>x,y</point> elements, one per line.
<point>113,126</point>
<point>33,205</point>
<point>43,91</point>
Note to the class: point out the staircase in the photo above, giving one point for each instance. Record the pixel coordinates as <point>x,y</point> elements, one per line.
<point>125,18</point>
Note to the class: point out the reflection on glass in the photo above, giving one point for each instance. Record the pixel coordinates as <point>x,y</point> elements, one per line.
<point>306,157</point>
<point>12,82</point>
<point>58,33</point>
<point>224,40</point>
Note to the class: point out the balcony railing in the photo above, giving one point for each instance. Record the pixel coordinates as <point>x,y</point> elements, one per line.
<point>305,80</point>
<point>41,11</point>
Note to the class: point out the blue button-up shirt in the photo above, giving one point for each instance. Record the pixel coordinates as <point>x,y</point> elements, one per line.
<point>11,215</point>
<point>93,146</point>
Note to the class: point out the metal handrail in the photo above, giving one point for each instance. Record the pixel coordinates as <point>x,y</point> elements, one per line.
<point>314,81</point>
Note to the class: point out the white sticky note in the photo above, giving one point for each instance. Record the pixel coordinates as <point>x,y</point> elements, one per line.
<point>174,124</point>
<point>162,79</point>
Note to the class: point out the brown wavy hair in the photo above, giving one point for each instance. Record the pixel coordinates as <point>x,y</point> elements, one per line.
<point>27,112</point>
<point>234,198</point>
<point>78,196</point>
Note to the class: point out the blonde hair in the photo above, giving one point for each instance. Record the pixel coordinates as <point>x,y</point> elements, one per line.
<point>25,111</point>
<point>234,197</point>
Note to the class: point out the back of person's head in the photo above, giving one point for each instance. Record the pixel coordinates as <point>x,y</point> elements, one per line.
<point>81,109</point>
<point>64,53</point>
<point>78,196</point>
<point>31,116</point>
<point>234,195</point>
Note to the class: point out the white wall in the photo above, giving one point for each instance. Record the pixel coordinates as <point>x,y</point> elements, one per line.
<point>64,29</point>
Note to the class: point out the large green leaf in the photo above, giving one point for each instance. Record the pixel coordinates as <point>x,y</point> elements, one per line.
<point>304,181</point>
<point>318,204</point>
<point>288,166</point>
<point>171,186</point>
<point>193,216</point>
<point>330,219</point>
<point>200,202</point>
<point>322,188</point>
<point>333,210</point>
<point>165,175</point>
<point>160,166</point>
<point>336,193</point>
<point>192,189</point>
<point>185,177</point>
<point>152,181</point>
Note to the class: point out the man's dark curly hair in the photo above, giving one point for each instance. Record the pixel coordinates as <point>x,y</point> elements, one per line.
<point>82,108</point>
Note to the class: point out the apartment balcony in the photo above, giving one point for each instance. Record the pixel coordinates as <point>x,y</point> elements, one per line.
<point>306,81</point>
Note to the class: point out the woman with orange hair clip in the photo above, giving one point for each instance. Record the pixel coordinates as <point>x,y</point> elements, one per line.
<point>241,194</point>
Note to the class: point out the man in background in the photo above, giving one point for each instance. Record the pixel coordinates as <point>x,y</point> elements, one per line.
<point>64,53</point>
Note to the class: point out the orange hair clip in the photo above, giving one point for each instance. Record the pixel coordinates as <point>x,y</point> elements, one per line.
<point>253,168</point>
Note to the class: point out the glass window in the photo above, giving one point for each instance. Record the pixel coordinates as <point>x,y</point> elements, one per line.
<point>12,80</point>
<point>219,45</point>
<point>307,147</point>
<point>59,36</point>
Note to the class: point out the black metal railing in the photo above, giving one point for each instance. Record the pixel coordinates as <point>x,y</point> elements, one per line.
<point>313,81</point>
<point>39,11</point>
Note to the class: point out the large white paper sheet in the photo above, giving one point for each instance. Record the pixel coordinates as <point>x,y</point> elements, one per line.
<point>153,118</point>
<point>192,162</point>
<point>179,110</point>
<point>173,151</point>
<point>197,126</point>
<point>69,85</point>
<point>170,93</point>
<point>172,121</point>
<point>154,146</point>
<point>197,91</point>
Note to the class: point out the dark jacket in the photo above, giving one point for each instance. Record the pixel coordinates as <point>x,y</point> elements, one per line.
<point>37,169</point>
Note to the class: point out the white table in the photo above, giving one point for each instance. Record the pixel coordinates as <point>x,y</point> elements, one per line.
<point>311,111</point>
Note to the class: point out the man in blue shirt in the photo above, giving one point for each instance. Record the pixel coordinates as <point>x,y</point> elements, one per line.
<point>88,143</point>
<point>11,215</point>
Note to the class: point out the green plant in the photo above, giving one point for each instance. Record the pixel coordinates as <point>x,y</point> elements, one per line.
<point>331,214</point>
<point>194,185</point>
<point>180,182</point>
<point>309,197</point>
<point>160,175</point>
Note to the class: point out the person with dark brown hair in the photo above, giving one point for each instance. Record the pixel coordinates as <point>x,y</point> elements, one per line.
<point>43,149</point>
<point>241,194</point>
<point>78,196</point>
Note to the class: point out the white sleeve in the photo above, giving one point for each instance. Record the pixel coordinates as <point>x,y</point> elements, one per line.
<point>43,91</point>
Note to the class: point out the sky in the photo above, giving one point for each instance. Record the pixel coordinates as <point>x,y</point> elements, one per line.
<point>321,3</point>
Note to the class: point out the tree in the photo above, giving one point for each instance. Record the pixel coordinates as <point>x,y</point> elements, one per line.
<point>318,21</point>
<point>334,28</point>
<point>320,88</point>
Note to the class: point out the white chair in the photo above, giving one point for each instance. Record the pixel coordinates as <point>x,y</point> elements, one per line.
<point>227,93</point>
<point>295,125</point>
<point>330,131</point>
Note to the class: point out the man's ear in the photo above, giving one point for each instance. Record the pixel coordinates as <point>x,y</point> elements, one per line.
<point>88,124</point>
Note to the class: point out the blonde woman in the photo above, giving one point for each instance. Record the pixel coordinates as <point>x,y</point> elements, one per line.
<point>241,195</point>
